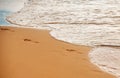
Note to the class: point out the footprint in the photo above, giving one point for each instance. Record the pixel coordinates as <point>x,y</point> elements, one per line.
<point>6,29</point>
<point>70,50</point>
<point>27,39</point>
<point>74,51</point>
<point>79,52</point>
<point>35,41</point>
<point>31,40</point>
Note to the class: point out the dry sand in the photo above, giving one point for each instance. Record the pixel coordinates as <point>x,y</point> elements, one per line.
<point>29,53</point>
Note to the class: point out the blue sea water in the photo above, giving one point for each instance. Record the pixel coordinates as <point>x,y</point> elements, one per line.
<point>3,15</point>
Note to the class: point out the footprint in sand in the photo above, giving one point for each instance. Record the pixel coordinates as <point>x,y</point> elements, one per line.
<point>73,51</point>
<point>70,50</point>
<point>29,40</point>
<point>6,29</point>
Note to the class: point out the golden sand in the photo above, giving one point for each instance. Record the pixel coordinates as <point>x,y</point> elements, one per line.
<point>30,53</point>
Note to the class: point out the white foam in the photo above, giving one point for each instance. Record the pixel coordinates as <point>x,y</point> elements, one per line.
<point>67,12</point>
<point>107,58</point>
<point>91,35</point>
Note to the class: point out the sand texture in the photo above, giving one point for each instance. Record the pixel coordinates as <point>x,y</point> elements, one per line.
<point>28,53</point>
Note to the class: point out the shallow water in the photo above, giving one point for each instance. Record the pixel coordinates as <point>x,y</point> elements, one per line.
<point>3,15</point>
<point>7,7</point>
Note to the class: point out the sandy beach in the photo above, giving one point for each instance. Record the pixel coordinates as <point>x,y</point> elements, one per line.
<point>30,53</point>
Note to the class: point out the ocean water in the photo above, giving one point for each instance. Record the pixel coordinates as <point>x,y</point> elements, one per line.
<point>7,7</point>
<point>11,5</point>
<point>82,22</point>
<point>3,15</point>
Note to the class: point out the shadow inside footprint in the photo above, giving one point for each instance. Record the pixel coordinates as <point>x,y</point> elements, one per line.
<point>73,51</point>
<point>27,39</point>
<point>31,41</point>
<point>70,50</point>
<point>6,29</point>
<point>35,41</point>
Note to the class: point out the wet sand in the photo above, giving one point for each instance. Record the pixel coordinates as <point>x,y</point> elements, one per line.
<point>30,53</point>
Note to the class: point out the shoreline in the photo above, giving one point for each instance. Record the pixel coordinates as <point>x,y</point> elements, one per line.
<point>74,57</point>
<point>104,35</point>
<point>104,68</point>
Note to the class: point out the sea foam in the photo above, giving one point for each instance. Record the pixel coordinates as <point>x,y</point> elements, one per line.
<point>107,58</point>
<point>82,22</point>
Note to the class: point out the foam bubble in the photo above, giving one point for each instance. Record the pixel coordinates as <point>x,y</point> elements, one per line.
<point>89,35</point>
